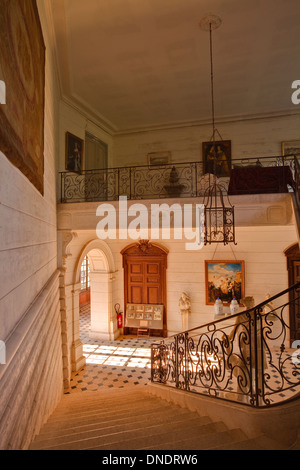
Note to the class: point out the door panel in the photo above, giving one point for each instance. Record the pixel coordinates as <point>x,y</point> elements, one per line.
<point>295,320</point>
<point>152,268</point>
<point>84,297</point>
<point>145,278</point>
<point>296,269</point>
<point>293,265</point>
<point>136,295</point>
<point>149,281</point>
<point>153,295</point>
<point>136,268</point>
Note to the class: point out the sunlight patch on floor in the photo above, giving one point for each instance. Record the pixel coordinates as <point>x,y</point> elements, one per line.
<point>117,356</point>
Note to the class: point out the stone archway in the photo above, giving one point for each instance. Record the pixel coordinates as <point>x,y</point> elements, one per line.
<point>102,269</point>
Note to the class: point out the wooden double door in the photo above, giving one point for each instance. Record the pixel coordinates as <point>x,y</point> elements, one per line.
<point>293,265</point>
<point>145,267</point>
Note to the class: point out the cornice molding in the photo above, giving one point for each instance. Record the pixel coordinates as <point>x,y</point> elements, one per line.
<point>207,122</point>
<point>93,117</point>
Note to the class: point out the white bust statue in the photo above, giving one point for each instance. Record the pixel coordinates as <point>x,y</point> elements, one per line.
<point>184,304</point>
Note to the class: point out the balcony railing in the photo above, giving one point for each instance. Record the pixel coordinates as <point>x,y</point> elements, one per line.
<point>154,182</point>
<point>250,358</point>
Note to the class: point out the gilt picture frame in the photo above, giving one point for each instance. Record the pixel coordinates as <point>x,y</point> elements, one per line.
<point>158,159</point>
<point>223,157</point>
<point>74,153</point>
<point>224,279</point>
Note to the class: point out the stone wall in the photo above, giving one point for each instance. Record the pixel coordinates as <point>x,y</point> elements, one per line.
<point>31,380</point>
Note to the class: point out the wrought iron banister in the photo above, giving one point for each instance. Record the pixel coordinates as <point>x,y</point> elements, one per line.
<point>186,179</point>
<point>247,357</point>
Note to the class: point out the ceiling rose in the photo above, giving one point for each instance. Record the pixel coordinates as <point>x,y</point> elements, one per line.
<point>213,20</point>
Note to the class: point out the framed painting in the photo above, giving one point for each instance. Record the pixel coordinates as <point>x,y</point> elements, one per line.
<point>224,279</point>
<point>74,153</point>
<point>22,74</point>
<point>222,157</point>
<point>159,158</point>
<point>291,147</point>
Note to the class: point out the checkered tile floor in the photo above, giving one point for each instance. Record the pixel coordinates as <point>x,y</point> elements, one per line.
<point>126,362</point>
<point>118,364</point>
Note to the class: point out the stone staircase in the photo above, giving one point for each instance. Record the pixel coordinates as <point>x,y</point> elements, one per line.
<point>135,420</point>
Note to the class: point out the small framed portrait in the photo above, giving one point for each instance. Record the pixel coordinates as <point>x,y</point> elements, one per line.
<point>217,158</point>
<point>74,153</point>
<point>130,315</point>
<point>148,316</point>
<point>159,158</point>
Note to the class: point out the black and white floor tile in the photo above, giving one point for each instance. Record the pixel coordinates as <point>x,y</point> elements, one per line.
<point>126,362</point>
<point>118,364</point>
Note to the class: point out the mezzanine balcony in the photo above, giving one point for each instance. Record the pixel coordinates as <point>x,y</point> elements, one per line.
<point>264,175</point>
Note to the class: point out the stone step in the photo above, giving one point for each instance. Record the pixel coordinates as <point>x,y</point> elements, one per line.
<point>132,420</point>
<point>202,442</point>
<point>112,419</point>
<point>116,425</point>
<point>73,414</point>
<point>113,416</point>
<point>259,443</point>
<point>87,398</point>
<point>136,438</point>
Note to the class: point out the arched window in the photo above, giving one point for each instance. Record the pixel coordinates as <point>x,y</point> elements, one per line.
<point>84,274</point>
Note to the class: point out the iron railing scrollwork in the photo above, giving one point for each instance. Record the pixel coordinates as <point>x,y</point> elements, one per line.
<point>247,358</point>
<point>153,182</point>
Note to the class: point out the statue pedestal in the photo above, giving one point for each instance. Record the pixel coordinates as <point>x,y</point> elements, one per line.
<point>185,321</point>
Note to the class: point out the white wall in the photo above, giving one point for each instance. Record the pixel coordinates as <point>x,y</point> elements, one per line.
<point>249,138</point>
<point>29,295</point>
<point>260,246</point>
<point>252,138</point>
<point>75,122</point>
<point>28,224</point>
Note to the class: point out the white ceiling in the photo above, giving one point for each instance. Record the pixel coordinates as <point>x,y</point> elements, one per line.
<point>138,64</point>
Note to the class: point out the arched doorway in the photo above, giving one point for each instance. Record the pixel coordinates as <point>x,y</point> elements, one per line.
<point>145,266</point>
<point>101,270</point>
<point>293,265</point>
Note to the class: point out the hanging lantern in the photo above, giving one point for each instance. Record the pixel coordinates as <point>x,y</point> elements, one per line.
<point>218,216</point>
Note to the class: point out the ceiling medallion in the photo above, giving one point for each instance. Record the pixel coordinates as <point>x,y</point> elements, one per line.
<point>210,22</point>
